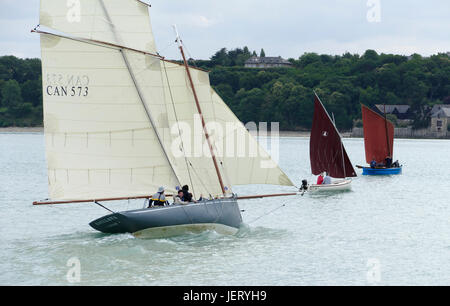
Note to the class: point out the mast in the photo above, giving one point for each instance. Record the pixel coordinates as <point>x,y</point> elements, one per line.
<point>342,147</point>
<point>216,166</point>
<point>387,134</point>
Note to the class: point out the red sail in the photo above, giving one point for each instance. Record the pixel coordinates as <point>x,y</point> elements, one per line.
<point>327,152</point>
<point>378,136</point>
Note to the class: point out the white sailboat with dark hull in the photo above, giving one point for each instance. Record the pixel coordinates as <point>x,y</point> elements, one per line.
<point>115,116</point>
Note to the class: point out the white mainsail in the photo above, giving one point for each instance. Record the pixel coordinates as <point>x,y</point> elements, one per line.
<point>99,140</point>
<point>112,115</point>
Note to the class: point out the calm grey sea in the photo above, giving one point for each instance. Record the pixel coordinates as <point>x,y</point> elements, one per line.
<point>386,231</point>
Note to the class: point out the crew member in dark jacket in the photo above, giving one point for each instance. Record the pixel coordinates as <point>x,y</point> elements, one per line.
<point>388,162</point>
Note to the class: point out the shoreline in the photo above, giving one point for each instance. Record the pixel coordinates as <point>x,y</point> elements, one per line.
<point>24,130</point>
<point>41,130</point>
<point>38,129</point>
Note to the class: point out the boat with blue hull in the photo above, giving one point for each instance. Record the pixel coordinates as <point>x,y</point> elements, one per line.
<point>382,171</point>
<point>379,144</point>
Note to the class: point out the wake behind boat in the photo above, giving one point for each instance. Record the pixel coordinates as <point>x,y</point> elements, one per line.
<point>327,153</point>
<point>120,122</point>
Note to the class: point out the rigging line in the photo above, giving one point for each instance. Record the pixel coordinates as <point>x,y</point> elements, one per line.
<point>266,214</point>
<point>190,219</point>
<point>144,3</point>
<point>141,96</point>
<point>199,178</point>
<point>178,125</point>
<point>166,47</point>
<point>226,175</point>
<point>197,103</point>
<point>189,54</point>
<point>217,211</point>
<point>104,207</point>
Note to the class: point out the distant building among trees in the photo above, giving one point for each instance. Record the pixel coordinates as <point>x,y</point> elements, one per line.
<point>402,112</point>
<point>267,62</point>
<point>440,118</point>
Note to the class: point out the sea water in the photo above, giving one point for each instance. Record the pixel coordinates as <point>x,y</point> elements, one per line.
<point>387,231</point>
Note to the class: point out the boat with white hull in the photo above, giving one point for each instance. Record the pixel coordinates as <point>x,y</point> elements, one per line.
<point>337,185</point>
<point>327,153</point>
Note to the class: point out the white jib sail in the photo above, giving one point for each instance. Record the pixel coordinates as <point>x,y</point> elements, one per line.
<point>241,160</point>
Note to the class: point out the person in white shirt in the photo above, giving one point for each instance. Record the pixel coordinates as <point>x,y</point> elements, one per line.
<point>326,180</point>
<point>179,198</point>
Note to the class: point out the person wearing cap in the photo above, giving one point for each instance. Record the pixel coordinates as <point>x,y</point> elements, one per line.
<point>158,199</point>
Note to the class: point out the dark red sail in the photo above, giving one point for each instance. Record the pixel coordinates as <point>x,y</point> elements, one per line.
<point>378,136</point>
<point>327,152</point>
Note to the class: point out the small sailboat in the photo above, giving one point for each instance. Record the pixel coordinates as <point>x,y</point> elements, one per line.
<point>379,144</point>
<point>327,152</point>
<point>115,116</point>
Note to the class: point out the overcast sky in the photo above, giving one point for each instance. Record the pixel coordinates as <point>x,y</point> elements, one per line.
<point>287,28</point>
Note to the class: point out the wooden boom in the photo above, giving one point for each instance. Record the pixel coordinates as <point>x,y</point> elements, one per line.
<point>37,203</point>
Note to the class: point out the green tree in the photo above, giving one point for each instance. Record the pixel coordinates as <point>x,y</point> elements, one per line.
<point>262,54</point>
<point>11,94</point>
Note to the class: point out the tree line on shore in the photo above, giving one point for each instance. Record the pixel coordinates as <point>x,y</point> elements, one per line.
<point>282,95</point>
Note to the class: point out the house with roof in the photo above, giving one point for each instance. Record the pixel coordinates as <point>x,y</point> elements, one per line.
<point>440,118</point>
<point>267,62</point>
<point>402,112</point>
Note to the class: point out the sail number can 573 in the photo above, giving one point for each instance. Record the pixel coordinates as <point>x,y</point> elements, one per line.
<point>65,85</point>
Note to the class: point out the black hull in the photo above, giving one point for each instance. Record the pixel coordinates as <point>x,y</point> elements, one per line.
<point>223,215</point>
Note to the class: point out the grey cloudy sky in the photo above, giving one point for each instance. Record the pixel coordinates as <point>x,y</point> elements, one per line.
<point>282,27</point>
